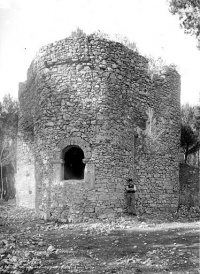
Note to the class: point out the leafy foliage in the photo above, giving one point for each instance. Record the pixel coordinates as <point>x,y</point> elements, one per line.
<point>103,35</point>
<point>188,115</point>
<point>188,139</point>
<point>77,33</point>
<point>190,118</point>
<point>157,66</point>
<point>197,118</point>
<point>126,42</point>
<point>118,38</point>
<point>8,133</point>
<point>189,15</point>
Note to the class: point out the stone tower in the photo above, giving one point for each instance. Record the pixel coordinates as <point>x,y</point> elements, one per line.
<point>92,115</point>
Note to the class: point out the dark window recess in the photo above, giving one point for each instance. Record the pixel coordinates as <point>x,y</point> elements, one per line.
<point>73,165</point>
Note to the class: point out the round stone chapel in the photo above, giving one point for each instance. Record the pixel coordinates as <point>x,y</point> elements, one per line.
<point>92,115</point>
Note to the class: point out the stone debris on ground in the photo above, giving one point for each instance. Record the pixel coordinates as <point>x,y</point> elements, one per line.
<point>30,245</point>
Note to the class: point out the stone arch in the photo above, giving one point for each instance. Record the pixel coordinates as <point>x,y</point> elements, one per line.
<point>58,160</point>
<point>75,141</point>
<point>73,164</point>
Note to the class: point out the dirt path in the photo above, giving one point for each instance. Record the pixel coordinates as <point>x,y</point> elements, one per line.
<point>128,245</point>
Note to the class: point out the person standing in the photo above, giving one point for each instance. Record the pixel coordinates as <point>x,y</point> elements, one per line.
<point>130,193</point>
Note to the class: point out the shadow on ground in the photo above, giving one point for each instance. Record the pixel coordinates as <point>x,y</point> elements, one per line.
<point>141,250</point>
<point>127,245</point>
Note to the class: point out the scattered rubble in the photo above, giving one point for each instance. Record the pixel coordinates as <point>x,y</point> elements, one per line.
<point>29,245</point>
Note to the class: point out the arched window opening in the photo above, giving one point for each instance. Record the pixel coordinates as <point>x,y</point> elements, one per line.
<point>73,164</point>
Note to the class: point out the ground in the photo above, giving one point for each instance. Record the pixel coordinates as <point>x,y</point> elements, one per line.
<point>142,244</point>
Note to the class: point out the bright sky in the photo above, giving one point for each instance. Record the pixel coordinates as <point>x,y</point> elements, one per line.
<point>26,25</point>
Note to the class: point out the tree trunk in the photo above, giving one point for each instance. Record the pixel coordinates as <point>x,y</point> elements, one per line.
<point>1,181</point>
<point>186,153</point>
<point>1,162</point>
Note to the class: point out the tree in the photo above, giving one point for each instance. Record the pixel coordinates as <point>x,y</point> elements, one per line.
<point>190,131</point>
<point>117,38</point>
<point>77,33</point>
<point>102,35</point>
<point>126,42</point>
<point>8,134</point>
<point>197,118</point>
<point>188,115</point>
<point>189,15</point>
<point>197,126</point>
<point>188,139</point>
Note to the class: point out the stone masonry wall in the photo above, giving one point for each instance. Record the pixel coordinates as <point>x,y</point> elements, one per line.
<point>157,155</point>
<point>100,96</point>
<point>25,177</point>
<point>189,185</point>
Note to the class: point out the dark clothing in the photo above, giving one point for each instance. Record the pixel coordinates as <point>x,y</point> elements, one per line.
<point>131,203</point>
<point>130,190</point>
